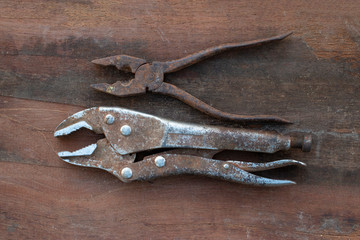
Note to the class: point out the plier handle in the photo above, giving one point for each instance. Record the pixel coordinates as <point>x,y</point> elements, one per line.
<point>149,77</point>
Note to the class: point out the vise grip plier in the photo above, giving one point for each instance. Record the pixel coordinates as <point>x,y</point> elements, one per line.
<point>191,147</point>
<point>150,77</point>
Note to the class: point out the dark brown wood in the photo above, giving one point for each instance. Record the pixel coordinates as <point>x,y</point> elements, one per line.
<point>311,78</point>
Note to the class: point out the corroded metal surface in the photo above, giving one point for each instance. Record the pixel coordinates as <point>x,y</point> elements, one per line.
<point>178,93</point>
<point>150,77</point>
<point>117,151</point>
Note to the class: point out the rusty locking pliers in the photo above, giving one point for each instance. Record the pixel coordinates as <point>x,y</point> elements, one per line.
<point>129,132</point>
<point>150,77</point>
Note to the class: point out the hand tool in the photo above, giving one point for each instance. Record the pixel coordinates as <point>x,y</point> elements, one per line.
<point>149,77</point>
<point>191,147</point>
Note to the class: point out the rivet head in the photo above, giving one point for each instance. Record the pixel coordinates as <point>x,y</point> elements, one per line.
<point>226,166</point>
<point>160,161</point>
<point>125,130</point>
<point>109,119</point>
<point>126,172</point>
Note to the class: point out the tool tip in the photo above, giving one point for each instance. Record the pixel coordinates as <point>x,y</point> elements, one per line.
<point>280,120</point>
<point>103,87</point>
<point>287,34</point>
<point>277,183</point>
<point>102,61</point>
<point>302,163</point>
<point>293,162</point>
<point>286,121</point>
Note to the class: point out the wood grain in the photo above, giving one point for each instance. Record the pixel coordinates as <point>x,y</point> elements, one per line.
<point>311,78</point>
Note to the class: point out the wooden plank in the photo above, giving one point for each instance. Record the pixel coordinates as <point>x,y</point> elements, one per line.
<point>59,203</point>
<point>43,197</point>
<point>287,86</point>
<point>28,120</point>
<point>47,57</point>
<point>163,29</point>
<point>311,78</point>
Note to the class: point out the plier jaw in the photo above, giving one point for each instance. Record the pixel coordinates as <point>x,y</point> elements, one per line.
<point>122,62</point>
<point>88,118</point>
<point>127,64</point>
<point>148,77</point>
<point>99,155</point>
<point>129,132</point>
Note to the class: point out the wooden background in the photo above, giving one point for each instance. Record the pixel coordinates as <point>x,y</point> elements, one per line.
<point>311,78</point>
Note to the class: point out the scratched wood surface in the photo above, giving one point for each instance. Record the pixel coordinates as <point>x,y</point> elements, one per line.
<point>311,78</point>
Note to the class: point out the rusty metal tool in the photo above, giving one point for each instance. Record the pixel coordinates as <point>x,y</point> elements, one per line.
<point>129,132</point>
<point>149,77</point>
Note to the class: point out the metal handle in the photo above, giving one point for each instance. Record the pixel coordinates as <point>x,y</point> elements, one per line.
<point>207,137</point>
<point>131,132</point>
<point>172,164</point>
<point>173,91</point>
<point>175,65</point>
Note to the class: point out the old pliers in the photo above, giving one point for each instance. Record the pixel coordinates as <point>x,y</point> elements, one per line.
<point>150,77</point>
<point>129,132</point>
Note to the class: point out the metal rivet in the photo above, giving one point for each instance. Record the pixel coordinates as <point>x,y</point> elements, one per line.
<point>226,166</point>
<point>125,130</point>
<point>126,172</point>
<point>109,119</point>
<point>160,161</point>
